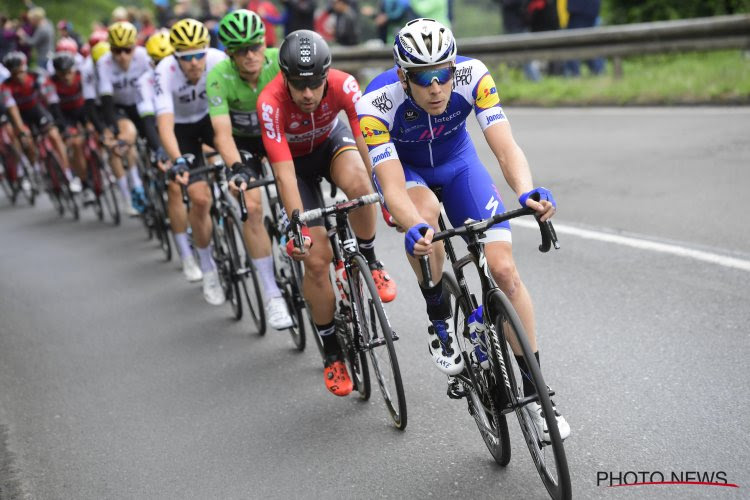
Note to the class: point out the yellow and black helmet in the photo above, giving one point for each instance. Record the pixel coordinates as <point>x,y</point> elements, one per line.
<point>122,34</point>
<point>158,46</point>
<point>98,50</point>
<point>189,34</point>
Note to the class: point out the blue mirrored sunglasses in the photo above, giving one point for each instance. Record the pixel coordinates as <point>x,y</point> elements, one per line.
<point>190,57</point>
<point>426,77</point>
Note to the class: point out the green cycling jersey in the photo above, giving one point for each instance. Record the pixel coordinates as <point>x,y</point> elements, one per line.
<point>229,94</point>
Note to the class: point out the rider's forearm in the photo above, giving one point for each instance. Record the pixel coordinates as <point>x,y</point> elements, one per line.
<point>149,128</point>
<point>15,118</point>
<point>165,122</point>
<point>227,148</point>
<point>510,156</point>
<point>364,153</point>
<point>390,176</point>
<point>286,180</point>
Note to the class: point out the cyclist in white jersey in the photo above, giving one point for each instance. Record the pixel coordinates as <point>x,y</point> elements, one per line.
<point>184,127</point>
<point>119,72</point>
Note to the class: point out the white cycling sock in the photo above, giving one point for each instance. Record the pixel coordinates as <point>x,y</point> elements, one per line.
<point>264,265</point>
<point>206,259</point>
<point>183,245</point>
<point>135,178</point>
<point>123,183</point>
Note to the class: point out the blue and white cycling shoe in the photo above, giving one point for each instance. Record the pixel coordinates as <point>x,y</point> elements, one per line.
<point>444,347</point>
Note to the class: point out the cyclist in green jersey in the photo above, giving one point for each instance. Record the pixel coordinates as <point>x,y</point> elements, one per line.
<point>232,87</point>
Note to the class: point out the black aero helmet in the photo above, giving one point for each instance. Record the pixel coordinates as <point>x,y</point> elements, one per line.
<point>304,54</point>
<point>14,60</point>
<point>63,61</point>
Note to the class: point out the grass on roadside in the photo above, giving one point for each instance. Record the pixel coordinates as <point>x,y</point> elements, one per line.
<point>710,77</point>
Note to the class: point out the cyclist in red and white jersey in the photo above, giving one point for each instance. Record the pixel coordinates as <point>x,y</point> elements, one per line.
<point>305,141</point>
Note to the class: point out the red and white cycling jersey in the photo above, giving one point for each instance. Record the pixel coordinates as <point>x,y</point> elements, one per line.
<point>35,88</point>
<point>288,132</point>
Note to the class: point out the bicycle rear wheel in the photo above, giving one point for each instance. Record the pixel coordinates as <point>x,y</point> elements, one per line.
<point>481,393</point>
<point>28,183</point>
<point>5,183</point>
<point>548,457</point>
<point>65,195</point>
<point>377,337</point>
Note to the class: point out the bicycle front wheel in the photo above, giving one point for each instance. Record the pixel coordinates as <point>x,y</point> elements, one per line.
<point>377,337</point>
<point>481,385</point>
<point>247,275</point>
<point>548,457</point>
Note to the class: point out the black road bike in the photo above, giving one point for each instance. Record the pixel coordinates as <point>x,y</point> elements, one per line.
<point>494,391</point>
<point>237,273</point>
<point>362,326</point>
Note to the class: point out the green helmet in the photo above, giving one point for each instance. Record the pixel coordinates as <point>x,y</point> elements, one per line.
<point>241,27</point>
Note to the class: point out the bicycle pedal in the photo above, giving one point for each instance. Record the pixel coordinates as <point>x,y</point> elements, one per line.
<point>454,392</point>
<point>394,335</point>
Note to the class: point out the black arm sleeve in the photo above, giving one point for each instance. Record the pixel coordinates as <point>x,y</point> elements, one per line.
<point>108,105</point>
<point>89,109</point>
<point>152,136</point>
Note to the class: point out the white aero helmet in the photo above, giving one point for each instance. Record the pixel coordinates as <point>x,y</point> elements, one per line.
<point>423,42</point>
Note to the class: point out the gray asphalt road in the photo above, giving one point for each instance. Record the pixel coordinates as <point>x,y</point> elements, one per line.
<point>118,381</point>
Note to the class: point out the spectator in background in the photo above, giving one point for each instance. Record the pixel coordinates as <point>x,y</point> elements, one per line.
<point>433,9</point>
<point>271,18</point>
<point>390,17</point>
<point>543,16</point>
<point>42,39</point>
<point>515,20</point>
<point>583,14</point>
<point>299,15</point>
<point>164,12</point>
<point>118,14</point>
<point>347,30</point>
<point>8,36</point>
<point>147,26</point>
<point>65,30</point>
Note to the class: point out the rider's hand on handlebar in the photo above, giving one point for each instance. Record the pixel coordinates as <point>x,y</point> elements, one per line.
<point>240,177</point>
<point>541,201</point>
<point>418,240</point>
<point>179,171</point>
<point>299,253</point>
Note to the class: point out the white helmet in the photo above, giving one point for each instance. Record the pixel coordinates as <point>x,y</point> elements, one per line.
<point>424,42</point>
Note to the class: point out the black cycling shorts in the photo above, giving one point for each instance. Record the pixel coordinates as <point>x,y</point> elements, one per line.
<point>253,145</point>
<point>191,137</point>
<point>37,118</point>
<point>313,167</point>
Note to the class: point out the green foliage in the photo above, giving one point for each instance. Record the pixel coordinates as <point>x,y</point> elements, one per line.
<point>637,11</point>
<point>81,12</point>
<point>709,77</point>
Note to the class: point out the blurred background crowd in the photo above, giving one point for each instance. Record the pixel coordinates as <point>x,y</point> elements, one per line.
<point>34,27</point>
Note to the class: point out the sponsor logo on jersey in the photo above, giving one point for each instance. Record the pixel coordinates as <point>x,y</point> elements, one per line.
<point>463,76</point>
<point>487,93</point>
<point>410,115</point>
<point>349,140</point>
<point>352,87</point>
<point>191,96</point>
<point>495,117</point>
<point>447,118</point>
<point>374,131</point>
<point>382,156</point>
<point>215,100</point>
<point>294,125</point>
<point>268,123</point>
<point>383,103</point>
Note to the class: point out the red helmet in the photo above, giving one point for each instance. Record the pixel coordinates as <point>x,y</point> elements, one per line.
<point>66,44</point>
<point>85,50</point>
<point>98,36</point>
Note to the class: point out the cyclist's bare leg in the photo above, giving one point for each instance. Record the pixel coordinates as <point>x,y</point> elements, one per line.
<point>200,220</point>
<point>177,211</point>
<point>503,268</point>
<point>256,238</point>
<point>79,160</point>
<point>349,174</point>
<point>316,284</point>
<point>429,208</point>
<point>59,144</point>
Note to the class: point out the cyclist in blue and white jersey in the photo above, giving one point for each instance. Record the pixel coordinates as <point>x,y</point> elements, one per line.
<point>413,119</point>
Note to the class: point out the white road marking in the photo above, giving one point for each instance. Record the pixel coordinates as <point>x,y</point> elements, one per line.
<point>644,244</point>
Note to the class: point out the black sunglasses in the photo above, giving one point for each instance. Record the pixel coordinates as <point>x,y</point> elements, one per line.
<point>122,50</point>
<point>242,51</point>
<point>307,83</point>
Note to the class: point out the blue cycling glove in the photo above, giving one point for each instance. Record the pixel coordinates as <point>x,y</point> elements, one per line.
<point>413,235</point>
<point>537,194</point>
<point>179,166</point>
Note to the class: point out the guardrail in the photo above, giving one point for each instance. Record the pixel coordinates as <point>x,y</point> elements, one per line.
<point>711,33</point>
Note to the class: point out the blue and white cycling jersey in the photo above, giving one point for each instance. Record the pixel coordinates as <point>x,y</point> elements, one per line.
<point>389,118</point>
<point>437,151</point>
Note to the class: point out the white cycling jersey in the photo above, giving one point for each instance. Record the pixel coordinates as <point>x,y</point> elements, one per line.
<point>4,73</point>
<point>88,79</point>
<point>175,95</point>
<point>121,84</point>
<point>147,103</point>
